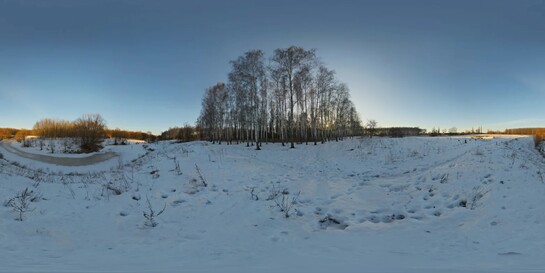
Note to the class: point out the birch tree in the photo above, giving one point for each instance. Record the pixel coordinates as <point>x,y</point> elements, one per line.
<point>288,62</point>
<point>249,82</point>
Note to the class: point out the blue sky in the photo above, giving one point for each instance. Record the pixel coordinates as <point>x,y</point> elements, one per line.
<point>144,65</point>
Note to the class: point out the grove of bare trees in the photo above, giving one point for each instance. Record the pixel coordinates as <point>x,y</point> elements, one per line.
<point>185,133</point>
<point>7,133</point>
<point>120,135</point>
<point>290,98</point>
<point>53,128</point>
<point>88,129</point>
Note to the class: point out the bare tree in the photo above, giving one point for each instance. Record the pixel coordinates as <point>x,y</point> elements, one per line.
<point>248,80</point>
<point>355,122</point>
<point>288,62</point>
<point>342,107</point>
<point>90,129</point>
<point>371,127</point>
<point>278,104</point>
<point>325,85</point>
<point>213,111</point>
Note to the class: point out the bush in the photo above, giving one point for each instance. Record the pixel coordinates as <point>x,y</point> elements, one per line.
<point>150,215</point>
<point>21,202</point>
<point>283,201</point>
<point>90,147</point>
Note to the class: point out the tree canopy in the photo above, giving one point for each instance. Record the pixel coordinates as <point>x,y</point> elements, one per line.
<point>293,99</point>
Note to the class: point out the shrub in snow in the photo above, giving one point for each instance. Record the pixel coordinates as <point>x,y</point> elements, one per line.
<point>177,168</point>
<point>477,194</point>
<point>38,176</point>
<point>21,202</point>
<point>283,201</point>
<point>116,186</point>
<point>113,189</point>
<point>252,190</point>
<point>473,201</point>
<point>151,214</point>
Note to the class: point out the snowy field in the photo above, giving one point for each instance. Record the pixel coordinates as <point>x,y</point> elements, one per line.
<point>359,205</point>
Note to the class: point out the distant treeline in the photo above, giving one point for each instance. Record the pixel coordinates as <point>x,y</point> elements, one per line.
<point>538,133</point>
<point>89,129</point>
<point>6,133</point>
<point>50,128</point>
<point>121,135</point>
<point>185,133</point>
<point>526,131</point>
<point>399,131</point>
<point>453,131</point>
<point>191,133</point>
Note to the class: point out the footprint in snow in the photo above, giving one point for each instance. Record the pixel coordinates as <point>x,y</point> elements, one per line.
<point>335,196</point>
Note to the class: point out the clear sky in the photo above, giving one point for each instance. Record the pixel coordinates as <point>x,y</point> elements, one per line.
<point>144,65</point>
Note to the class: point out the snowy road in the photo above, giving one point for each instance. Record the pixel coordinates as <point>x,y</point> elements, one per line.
<point>63,161</point>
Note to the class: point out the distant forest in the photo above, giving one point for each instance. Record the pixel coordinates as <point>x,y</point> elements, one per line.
<point>89,130</point>
<point>538,133</point>
<point>118,134</point>
<point>526,131</point>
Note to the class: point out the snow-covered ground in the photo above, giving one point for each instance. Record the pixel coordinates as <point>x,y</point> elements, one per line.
<point>361,205</point>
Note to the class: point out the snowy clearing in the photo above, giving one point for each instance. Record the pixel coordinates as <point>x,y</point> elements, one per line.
<point>360,205</point>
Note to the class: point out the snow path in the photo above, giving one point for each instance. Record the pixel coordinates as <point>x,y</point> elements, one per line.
<point>63,161</point>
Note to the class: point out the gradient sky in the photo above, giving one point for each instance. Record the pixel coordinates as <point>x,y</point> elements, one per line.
<point>144,65</point>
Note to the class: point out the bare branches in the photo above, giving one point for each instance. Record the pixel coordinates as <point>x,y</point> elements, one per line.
<point>151,214</point>
<point>21,202</point>
<point>371,126</point>
<point>282,200</point>
<point>201,177</point>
